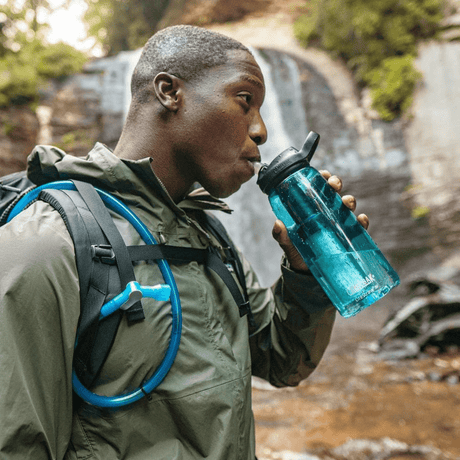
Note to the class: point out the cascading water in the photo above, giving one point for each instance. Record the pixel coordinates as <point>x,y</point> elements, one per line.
<point>251,223</point>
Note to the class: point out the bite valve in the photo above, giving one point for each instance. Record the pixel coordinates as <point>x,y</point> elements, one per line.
<point>132,294</point>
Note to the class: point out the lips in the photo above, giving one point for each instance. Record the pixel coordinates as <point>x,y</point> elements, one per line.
<point>253,162</point>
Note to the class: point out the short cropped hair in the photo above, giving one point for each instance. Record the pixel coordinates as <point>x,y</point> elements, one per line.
<point>184,51</point>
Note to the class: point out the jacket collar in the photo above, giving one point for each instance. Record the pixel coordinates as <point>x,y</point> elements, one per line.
<point>102,168</point>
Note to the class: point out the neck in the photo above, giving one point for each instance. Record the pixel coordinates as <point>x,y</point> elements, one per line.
<point>138,142</point>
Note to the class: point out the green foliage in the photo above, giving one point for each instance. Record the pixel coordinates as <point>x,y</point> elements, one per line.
<point>73,139</point>
<point>22,72</point>
<point>59,61</point>
<point>305,28</point>
<point>392,85</point>
<point>419,212</point>
<point>25,59</point>
<point>120,25</point>
<point>369,35</point>
<point>18,78</point>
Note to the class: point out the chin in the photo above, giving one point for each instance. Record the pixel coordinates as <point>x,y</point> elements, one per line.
<point>227,193</point>
<point>220,192</point>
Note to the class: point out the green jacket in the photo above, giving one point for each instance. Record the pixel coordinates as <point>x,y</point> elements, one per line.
<point>202,409</point>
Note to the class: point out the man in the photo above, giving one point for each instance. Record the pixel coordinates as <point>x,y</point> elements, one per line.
<point>194,118</point>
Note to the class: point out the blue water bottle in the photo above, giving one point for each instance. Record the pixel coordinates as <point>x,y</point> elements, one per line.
<point>338,250</point>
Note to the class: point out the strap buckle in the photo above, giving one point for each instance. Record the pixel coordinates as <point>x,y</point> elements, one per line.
<point>103,253</point>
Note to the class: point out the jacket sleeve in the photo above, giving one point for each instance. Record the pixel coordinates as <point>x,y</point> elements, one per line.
<point>39,310</point>
<point>294,323</point>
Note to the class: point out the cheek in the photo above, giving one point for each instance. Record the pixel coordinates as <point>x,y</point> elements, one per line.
<point>229,121</point>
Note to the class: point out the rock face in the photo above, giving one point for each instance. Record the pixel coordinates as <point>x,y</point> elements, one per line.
<point>76,119</point>
<point>19,128</point>
<point>433,140</point>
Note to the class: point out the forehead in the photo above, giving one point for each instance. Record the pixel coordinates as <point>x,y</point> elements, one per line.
<point>244,62</point>
<point>240,67</point>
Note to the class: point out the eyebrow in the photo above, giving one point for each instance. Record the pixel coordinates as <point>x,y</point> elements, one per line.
<point>253,80</point>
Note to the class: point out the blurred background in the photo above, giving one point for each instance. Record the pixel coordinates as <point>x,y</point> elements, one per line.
<point>379,80</point>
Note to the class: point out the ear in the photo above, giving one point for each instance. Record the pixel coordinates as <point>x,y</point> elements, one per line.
<point>168,90</point>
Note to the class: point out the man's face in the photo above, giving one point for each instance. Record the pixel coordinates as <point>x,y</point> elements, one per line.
<point>223,125</point>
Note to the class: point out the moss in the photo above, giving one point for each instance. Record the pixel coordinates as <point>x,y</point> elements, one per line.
<point>420,212</point>
<point>7,128</point>
<point>377,39</point>
<point>392,85</point>
<point>305,29</point>
<point>73,139</point>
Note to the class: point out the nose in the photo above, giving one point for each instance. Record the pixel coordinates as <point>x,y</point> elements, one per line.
<point>257,130</point>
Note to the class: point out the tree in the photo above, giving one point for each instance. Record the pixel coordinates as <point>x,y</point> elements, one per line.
<point>20,25</point>
<point>120,25</point>
<point>25,58</point>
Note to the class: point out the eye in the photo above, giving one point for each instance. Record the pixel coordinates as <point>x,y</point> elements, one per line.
<point>247,97</point>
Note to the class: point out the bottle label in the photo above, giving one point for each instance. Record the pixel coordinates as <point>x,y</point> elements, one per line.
<point>370,278</point>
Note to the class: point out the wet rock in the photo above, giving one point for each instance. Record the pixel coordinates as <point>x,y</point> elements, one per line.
<point>435,376</point>
<point>398,349</point>
<point>429,322</point>
<point>386,448</point>
<point>364,449</point>
<point>287,455</point>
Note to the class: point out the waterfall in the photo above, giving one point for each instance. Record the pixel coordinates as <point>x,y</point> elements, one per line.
<point>252,221</point>
<point>131,59</point>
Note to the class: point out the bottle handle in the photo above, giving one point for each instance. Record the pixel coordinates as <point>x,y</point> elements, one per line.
<point>310,144</point>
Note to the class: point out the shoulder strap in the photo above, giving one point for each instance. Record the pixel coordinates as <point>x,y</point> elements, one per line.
<point>215,226</point>
<point>104,265</point>
<point>101,257</point>
<point>118,246</point>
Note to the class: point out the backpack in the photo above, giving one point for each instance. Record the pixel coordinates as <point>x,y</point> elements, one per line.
<point>105,263</point>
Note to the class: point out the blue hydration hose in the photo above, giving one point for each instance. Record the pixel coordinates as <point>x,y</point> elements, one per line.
<point>131,294</point>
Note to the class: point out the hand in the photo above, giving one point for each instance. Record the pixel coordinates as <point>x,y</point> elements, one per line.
<point>280,234</point>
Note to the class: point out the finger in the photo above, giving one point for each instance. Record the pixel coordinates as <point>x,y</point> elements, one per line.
<point>280,234</point>
<point>336,183</point>
<point>349,201</point>
<point>326,174</point>
<point>363,220</point>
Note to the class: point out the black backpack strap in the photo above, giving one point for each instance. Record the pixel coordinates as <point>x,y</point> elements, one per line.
<point>118,246</point>
<point>215,226</point>
<point>98,264</point>
<point>96,280</point>
<point>180,255</point>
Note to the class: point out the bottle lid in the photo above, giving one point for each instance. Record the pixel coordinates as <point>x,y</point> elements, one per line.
<point>286,163</point>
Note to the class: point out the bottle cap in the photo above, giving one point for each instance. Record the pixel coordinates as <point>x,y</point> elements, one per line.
<point>286,163</point>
